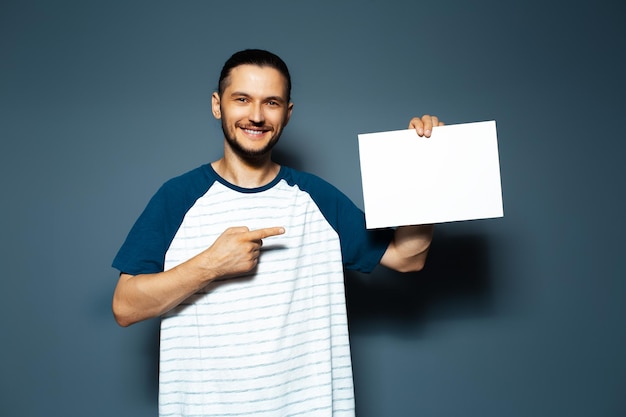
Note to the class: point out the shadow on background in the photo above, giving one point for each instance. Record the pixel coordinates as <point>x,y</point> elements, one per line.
<point>456,282</point>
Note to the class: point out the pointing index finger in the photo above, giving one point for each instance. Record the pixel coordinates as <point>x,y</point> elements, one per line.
<point>259,234</point>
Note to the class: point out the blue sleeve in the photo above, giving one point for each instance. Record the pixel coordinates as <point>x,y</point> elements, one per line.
<point>361,249</point>
<point>143,251</point>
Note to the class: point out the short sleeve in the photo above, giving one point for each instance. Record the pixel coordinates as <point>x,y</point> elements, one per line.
<point>143,251</point>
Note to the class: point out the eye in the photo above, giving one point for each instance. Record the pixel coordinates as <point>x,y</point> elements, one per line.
<point>240,99</point>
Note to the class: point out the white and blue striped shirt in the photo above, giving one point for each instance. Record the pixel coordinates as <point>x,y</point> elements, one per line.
<point>275,341</point>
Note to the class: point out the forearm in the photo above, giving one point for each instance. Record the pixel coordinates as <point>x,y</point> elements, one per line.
<point>141,297</point>
<point>235,252</point>
<point>409,248</point>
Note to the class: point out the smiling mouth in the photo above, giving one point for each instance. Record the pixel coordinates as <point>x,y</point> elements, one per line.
<point>254,131</point>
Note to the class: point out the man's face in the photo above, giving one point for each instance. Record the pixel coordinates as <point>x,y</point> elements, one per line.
<point>254,109</point>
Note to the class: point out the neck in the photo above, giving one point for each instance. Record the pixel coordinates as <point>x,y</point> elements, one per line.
<point>246,173</point>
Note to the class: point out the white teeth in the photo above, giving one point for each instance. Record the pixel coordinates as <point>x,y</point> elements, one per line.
<point>253,132</point>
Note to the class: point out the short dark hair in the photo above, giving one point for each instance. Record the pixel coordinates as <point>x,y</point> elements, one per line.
<point>256,57</point>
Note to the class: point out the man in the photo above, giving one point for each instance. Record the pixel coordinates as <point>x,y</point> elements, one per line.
<point>243,259</point>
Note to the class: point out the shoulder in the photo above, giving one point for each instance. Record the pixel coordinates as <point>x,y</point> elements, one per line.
<point>190,185</point>
<point>178,194</point>
<point>333,203</point>
<point>196,177</point>
<point>309,182</point>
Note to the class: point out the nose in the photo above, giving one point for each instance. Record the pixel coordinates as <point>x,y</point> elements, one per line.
<point>256,113</point>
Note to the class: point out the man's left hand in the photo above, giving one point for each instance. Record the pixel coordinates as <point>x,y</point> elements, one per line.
<point>424,125</point>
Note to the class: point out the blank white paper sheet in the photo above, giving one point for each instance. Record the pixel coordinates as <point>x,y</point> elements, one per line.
<point>452,176</point>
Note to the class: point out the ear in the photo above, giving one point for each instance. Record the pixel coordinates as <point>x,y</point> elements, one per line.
<point>215,105</point>
<point>289,110</point>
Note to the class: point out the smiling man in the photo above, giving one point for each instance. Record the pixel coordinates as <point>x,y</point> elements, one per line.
<point>260,119</point>
<point>243,261</point>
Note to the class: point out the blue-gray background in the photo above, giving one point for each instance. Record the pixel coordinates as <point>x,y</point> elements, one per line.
<point>522,316</point>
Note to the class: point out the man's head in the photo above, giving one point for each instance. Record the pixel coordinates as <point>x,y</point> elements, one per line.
<point>256,57</point>
<point>253,103</point>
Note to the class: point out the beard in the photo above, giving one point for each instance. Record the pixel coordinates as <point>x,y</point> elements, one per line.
<point>246,153</point>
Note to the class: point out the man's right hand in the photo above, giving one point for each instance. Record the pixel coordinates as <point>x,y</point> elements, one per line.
<point>237,250</point>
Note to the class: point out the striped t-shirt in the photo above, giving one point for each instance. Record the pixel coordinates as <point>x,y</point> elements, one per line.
<point>275,341</point>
